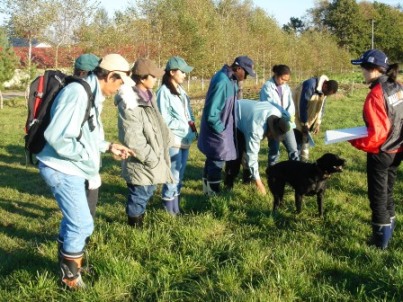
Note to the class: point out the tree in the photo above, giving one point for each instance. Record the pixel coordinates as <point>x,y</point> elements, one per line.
<point>27,19</point>
<point>295,26</point>
<point>69,15</point>
<point>8,62</point>
<point>344,20</point>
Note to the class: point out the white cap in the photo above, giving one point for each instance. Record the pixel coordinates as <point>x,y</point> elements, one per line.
<point>117,64</point>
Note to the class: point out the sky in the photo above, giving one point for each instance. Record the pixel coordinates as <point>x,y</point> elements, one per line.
<point>281,10</point>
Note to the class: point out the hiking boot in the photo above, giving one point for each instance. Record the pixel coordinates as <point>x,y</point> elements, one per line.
<point>136,222</point>
<point>70,267</point>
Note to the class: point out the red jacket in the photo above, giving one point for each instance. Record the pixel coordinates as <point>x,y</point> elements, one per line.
<point>378,123</point>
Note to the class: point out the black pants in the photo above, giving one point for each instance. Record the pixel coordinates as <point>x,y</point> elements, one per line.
<point>232,167</point>
<point>92,199</point>
<point>381,176</point>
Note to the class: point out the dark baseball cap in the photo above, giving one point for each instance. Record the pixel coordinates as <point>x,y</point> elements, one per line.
<point>372,56</point>
<point>246,63</point>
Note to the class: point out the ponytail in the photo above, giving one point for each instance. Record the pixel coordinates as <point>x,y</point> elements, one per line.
<point>392,72</point>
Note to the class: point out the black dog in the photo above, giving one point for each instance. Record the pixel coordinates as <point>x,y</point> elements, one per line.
<point>306,179</point>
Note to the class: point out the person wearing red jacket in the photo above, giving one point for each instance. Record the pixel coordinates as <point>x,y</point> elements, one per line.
<point>383,116</point>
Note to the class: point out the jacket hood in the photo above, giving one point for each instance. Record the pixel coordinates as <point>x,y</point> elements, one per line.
<point>127,97</point>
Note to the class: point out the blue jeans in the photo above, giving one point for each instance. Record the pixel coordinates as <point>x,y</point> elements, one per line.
<point>179,158</point>
<point>212,169</point>
<point>290,144</point>
<point>138,198</point>
<point>77,223</point>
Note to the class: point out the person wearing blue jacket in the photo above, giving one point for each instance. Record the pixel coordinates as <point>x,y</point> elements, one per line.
<point>217,138</point>
<point>309,98</point>
<point>174,105</point>
<point>72,155</point>
<point>277,91</point>
<point>255,121</point>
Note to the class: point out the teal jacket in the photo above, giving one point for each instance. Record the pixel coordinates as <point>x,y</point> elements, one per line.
<point>63,151</point>
<point>176,112</point>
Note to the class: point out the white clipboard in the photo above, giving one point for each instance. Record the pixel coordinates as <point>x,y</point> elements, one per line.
<point>341,135</point>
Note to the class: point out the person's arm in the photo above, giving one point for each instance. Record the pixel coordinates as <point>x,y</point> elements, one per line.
<point>214,109</point>
<point>377,122</point>
<point>308,90</point>
<point>132,136</point>
<point>67,113</point>
<point>252,153</point>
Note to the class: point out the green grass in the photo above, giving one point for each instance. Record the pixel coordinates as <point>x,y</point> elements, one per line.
<point>228,248</point>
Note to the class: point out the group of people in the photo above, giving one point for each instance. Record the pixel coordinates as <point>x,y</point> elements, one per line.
<point>156,131</point>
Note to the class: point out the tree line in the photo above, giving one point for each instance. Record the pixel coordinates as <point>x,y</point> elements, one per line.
<point>208,33</point>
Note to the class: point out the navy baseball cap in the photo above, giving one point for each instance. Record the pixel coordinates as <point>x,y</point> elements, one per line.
<point>246,63</point>
<point>373,56</point>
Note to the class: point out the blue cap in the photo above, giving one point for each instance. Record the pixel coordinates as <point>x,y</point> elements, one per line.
<point>373,56</point>
<point>246,63</point>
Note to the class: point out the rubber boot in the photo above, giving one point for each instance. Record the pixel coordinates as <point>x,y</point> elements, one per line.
<point>169,205</point>
<point>205,191</point>
<point>176,205</point>
<point>136,222</point>
<point>70,267</point>
<point>213,187</point>
<point>381,235</point>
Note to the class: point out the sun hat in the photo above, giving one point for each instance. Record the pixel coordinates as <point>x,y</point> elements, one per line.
<point>372,56</point>
<point>117,64</point>
<point>143,67</point>
<point>178,63</point>
<point>278,126</point>
<point>246,63</point>
<point>86,62</point>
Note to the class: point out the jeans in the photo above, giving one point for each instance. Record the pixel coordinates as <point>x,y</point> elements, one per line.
<point>212,169</point>
<point>179,158</point>
<point>138,198</point>
<point>290,144</point>
<point>381,176</point>
<point>77,223</point>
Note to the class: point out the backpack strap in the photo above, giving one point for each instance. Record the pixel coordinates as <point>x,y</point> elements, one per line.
<point>91,99</point>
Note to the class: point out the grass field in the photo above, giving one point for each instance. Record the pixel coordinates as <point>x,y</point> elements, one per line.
<point>228,248</point>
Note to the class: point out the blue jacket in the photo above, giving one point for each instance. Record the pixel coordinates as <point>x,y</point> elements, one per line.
<point>217,135</point>
<point>63,151</point>
<point>177,113</point>
<point>252,122</point>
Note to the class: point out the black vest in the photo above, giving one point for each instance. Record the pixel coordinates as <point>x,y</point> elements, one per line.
<point>393,95</point>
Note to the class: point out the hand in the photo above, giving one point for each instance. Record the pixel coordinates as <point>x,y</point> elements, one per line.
<point>316,129</point>
<point>120,151</point>
<point>260,187</point>
<point>305,130</point>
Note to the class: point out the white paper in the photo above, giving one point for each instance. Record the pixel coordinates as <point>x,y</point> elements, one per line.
<point>341,135</point>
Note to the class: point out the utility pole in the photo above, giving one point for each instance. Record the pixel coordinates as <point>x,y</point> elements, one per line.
<point>372,35</point>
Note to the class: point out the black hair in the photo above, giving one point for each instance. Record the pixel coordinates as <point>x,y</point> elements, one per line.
<point>167,81</point>
<point>137,78</point>
<point>392,72</point>
<point>102,74</point>
<point>370,66</point>
<point>332,86</point>
<point>280,70</point>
